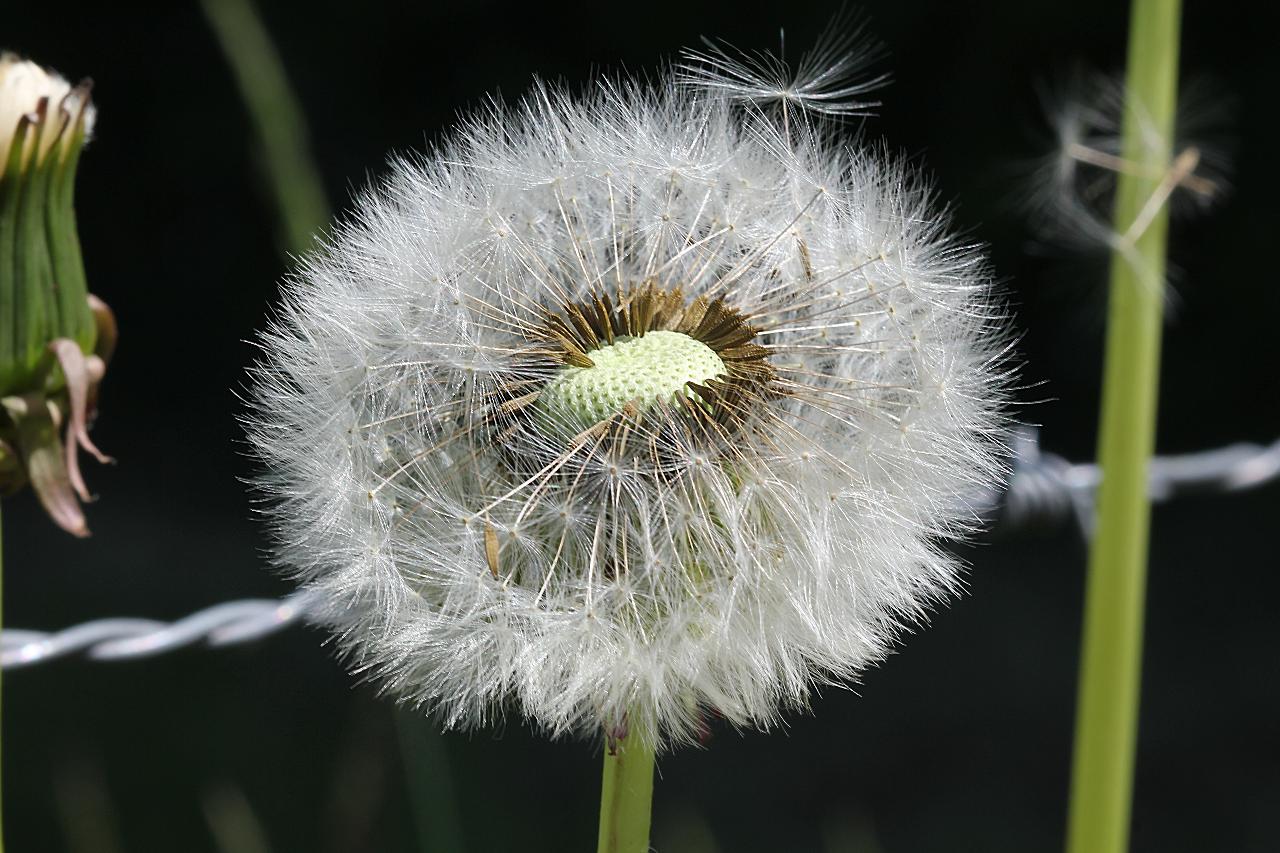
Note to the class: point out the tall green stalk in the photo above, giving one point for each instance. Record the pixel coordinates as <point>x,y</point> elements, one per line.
<point>278,120</point>
<point>429,780</point>
<point>1,673</point>
<point>1111,656</point>
<point>626,797</point>
<point>302,210</point>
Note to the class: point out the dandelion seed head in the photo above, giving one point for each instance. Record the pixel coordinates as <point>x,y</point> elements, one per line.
<point>630,406</point>
<point>654,368</point>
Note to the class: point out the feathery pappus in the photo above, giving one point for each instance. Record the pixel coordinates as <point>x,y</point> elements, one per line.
<point>623,407</point>
<point>1071,194</point>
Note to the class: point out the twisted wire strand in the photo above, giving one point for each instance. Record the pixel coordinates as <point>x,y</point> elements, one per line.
<point>1047,486</point>
<point>1043,486</point>
<point>117,639</point>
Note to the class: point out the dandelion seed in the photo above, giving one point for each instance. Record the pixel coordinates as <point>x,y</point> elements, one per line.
<point>1075,186</point>
<point>829,80</point>
<point>625,408</point>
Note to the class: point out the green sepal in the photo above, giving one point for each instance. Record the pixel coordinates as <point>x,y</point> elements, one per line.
<point>74,319</point>
<point>35,300</point>
<point>12,182</point>
<point>43,289</point>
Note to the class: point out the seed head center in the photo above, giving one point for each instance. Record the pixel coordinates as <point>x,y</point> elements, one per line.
<point>653,368</point>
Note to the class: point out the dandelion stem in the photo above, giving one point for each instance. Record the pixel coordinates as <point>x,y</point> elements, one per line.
<point>1111,655</point>
<point>626,796</point>
<point>302,210</point>
<point>429,781</point>
<point>1,676</point>
<point>301,206</point>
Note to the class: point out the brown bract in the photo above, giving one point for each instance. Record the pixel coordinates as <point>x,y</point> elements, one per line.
<point>43,431</point>
<point>565,336</point>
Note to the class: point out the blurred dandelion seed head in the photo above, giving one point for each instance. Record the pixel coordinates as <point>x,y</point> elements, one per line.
<point>631,406</point>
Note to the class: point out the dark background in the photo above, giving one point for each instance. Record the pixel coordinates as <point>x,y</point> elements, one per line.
<point>960,742</point>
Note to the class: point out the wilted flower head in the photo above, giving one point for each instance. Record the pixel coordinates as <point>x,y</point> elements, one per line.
<point>57,337</point>
<point>621,408</point>
<point>23,85</point>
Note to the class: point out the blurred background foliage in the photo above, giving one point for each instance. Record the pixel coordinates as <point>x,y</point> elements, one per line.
<point>959,742</point>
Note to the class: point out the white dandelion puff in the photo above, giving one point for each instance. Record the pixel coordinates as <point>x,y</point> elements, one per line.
<point>621,409</point>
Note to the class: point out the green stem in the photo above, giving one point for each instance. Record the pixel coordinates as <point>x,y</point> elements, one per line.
<point>1,672</point>
<point>1111,654</point>
<point>302,210</point>
<point>626,797</point>
<point>430,782</point>
<point>277,118</point>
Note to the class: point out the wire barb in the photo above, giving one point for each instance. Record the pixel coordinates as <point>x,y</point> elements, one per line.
<point>1043,486</point>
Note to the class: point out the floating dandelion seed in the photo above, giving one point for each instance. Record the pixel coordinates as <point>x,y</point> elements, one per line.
<point>622,408</point>
<point>1074,188</point>
<point>830,79</point>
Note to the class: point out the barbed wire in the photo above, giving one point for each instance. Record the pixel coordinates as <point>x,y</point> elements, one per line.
<point>1047,486</point>
<point>116,639</point>
<point>1043,487</point>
